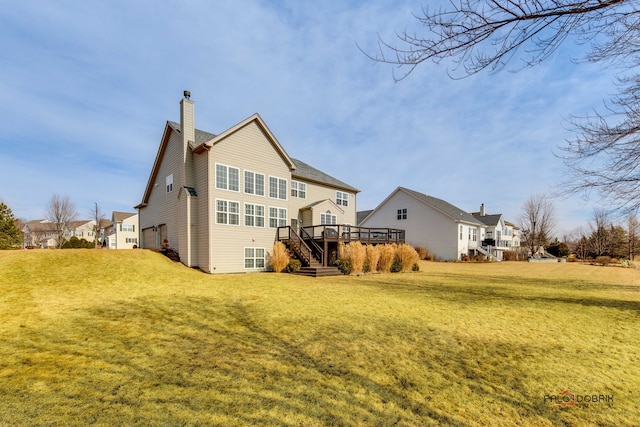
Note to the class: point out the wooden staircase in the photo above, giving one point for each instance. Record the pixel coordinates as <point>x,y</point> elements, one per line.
<point>309,253</point>
<point>315,269</point>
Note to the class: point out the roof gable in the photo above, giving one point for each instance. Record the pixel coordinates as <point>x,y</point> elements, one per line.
<point>488,220</point>
<point>257,120</point>
<point>454,213</point>
<point>121,216</point>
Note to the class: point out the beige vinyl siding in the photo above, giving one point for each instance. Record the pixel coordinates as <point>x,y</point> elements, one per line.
<point>162,207</point>
<point>124,238</point>
<point>316,193</point>
<point>201,224</point>
<point>247,149</point>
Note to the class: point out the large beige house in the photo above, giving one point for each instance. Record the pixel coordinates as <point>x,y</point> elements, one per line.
<point>221,201</point>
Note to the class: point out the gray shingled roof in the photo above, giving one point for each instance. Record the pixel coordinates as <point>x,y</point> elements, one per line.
<point>305,171</point>
<point>490,220</point>
<point>361,215</point>
<point>444,207</point>
<point>201,136</point>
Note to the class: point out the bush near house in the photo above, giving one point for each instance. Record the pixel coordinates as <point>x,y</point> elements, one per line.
<point>75,243</point>
<point>387,255</point>
<point>279,257</point>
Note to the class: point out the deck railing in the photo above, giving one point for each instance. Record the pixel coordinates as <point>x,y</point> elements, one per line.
<point>350,233</point>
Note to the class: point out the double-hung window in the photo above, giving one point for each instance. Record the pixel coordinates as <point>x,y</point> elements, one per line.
<point>169,183</point>
<point>253,215</point>
<point>227,212</point>
<point>227,178</point>
<point>277,217</point>
<point>254,258</point>
<point>254,183</point>
<point>298,189</point>
<point>342,198</point>
<point>402,214</point>
<point>277,188</point>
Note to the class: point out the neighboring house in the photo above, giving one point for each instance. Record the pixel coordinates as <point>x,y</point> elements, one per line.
<point>122,231</point>
<point>41,233</point>
<point>445,230</point>
<point>221,201</point>
<point>500,235</point>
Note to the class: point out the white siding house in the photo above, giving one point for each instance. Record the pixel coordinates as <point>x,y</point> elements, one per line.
<point>445,230</point>
<point>500,235</point>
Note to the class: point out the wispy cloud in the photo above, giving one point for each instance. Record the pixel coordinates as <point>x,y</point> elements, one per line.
<point>87,87</point>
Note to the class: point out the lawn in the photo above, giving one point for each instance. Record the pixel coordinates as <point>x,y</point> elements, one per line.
<point>130,338</point>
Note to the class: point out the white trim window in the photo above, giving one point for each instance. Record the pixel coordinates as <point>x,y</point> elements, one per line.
<point>327,218</point>
<point>127,227</point>
<point>253,183</point>
<point>298,189</point>
<point>277,188</point>
<point>254,258</point>
<point>277,217</point>
<point>227,212</point>
<point>227,177</point>
<point>402,214</point>
<point>253,215</point>
<point>169,183</point>
<point>342,198</point>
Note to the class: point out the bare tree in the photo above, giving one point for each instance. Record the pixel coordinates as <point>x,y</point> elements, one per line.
<point>481,34</point>
<point>487,34</point>
<point>537,222</point>
<point>633,235</point>
<point>98,216</point>
<point>600,240</point>
<point>60,211</point>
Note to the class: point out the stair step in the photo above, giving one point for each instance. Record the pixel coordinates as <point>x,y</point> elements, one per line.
<point>319,271</point>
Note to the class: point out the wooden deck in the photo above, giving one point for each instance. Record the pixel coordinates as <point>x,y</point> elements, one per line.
<point>318,244</point>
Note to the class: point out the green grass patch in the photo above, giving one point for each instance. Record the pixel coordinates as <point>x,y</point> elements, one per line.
<point>129,337</point>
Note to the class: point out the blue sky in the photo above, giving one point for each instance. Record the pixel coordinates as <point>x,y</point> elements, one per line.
<point>86,89</point>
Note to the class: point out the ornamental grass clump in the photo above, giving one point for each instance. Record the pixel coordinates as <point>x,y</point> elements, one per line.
<point>387,254</point>
<point>356,254</point>
<point>406,257</point>
<point>373,256</point>
<point>279,257</point>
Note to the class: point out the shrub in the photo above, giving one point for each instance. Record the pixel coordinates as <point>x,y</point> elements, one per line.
<point>373,256</point>
<point>387,254</point>
<point>415,267</point>
<point>509,256</point>
<point>396,266</point>
<point>279,257</point>
<point>293,266</point>
<point>75,243</point>
<point>344,265</point>
<point>406,256</point>
<point>422,252</point>
<point>604,260</point>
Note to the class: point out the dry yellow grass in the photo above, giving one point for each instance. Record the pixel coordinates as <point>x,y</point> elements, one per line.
<point>130,338</point>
